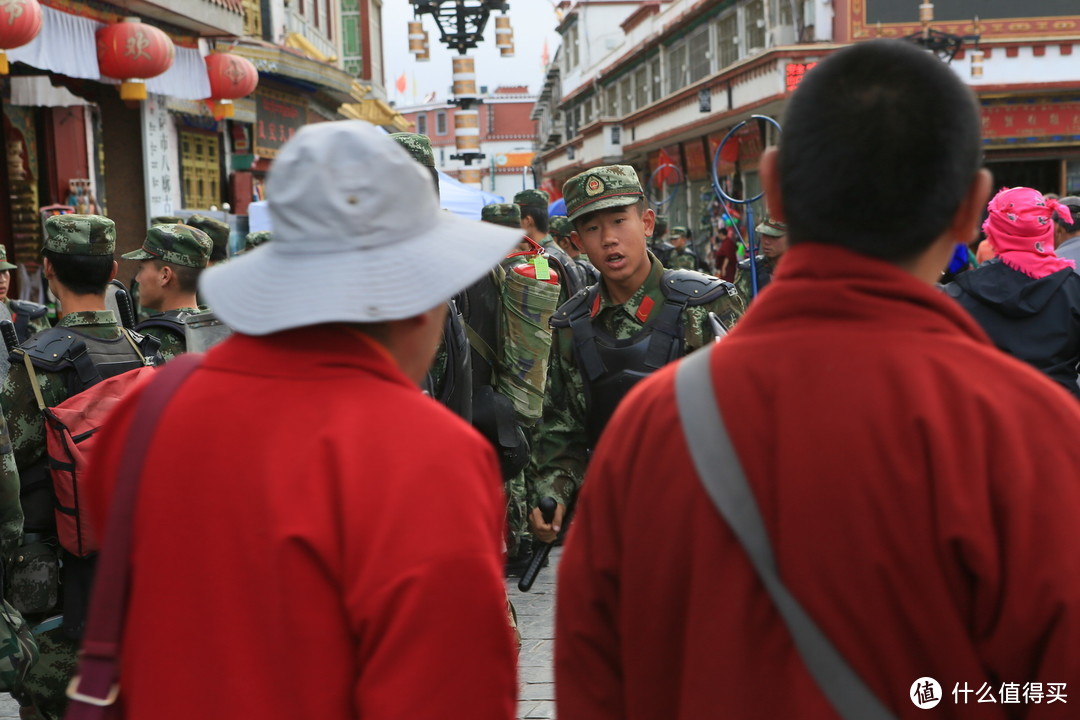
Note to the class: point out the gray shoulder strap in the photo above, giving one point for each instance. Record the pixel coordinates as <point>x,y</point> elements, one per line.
<point>725,482</point>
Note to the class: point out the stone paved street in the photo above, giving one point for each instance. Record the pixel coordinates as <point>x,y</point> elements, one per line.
<point>536,619</point>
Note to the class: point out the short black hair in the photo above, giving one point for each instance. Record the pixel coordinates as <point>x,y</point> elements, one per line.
<point>1072,204</point>
<point>187,277</point>
<point>880,144</point>
<point>81,274</point>
<point>539,216</point>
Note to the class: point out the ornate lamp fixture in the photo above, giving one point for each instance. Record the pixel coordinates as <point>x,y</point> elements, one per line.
<point>946,45</point>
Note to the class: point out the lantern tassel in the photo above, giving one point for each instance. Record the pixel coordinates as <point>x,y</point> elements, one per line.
<point>3,63</point>
<point>223,109</point>
<point>133,89</point>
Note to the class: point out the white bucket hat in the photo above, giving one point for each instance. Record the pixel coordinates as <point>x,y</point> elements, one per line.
<point>358,237</point>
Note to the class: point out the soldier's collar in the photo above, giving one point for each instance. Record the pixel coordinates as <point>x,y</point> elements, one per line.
<point>641,303</point>
<point>88,317</point>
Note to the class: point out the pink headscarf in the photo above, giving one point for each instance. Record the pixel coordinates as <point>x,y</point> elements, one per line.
<point>1021,229</point>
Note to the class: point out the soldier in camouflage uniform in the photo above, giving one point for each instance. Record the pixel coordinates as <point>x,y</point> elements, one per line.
<point>254,239</point>
<point>218,232</point>
<point>636,319</point>
<point>536,224</point>
<point>772,239</point>
<point>171,259</point>
<point>562,230</point>
<point>78,263</point>
<point>682,257</point>
<point>658,242</point>
<point>28,317</point>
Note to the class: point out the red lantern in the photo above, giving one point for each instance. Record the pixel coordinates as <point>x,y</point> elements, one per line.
<point>231,77</point>
<point>132,51</point>
<point>20,22</point>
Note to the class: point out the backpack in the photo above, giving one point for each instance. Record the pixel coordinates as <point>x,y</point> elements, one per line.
<point>70,433</point>
<point>201,331</point>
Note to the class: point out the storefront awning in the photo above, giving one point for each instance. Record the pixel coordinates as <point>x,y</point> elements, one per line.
<point>67,44</point>
<point>333,81</point>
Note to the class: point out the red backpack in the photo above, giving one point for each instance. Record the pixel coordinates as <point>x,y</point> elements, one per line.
<point>70,433</point>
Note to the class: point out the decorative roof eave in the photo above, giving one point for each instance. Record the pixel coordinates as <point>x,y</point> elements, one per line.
<point>276,60</point>
<point>376,112</point>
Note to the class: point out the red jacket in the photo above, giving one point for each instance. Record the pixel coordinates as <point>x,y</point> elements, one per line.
<point>921,491</point>
<point>314,539</point>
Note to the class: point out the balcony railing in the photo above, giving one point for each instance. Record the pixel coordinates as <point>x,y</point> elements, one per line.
<point>317,44</point>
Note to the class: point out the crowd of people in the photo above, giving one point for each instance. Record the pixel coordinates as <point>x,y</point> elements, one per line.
<point>861,477</point>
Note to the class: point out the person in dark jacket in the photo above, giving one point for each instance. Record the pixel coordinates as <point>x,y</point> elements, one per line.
<point>1027,299</point>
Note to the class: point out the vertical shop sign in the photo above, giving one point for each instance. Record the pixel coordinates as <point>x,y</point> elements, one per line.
<point>158,161</point>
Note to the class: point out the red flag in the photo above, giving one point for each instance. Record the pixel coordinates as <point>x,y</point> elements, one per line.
<point>669,174</point>
<point>401,83</point>
<point>545,55</point>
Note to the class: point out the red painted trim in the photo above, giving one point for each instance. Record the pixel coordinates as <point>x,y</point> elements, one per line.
<point>1012,51</point>
<point>365,39</point>
<point>1038,50</point>
<point>1066,49</point>
<point>1025,89</point>
<point>710,120</point>
<point>639,15</point>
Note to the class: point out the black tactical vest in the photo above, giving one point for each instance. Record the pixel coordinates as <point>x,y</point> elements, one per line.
<point>610,367</point>
<point>25,311</point>
<point>456,390</point>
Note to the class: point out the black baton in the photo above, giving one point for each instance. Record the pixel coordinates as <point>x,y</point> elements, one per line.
<point>540,554</point>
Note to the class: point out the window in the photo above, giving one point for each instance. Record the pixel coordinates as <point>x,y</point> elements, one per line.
<point>353,61</point>
<point>570,42</point>
<point>626,94</point>
<point>421,124</point>
<point>700,51</point>
<point>676,67</point>
<point>252,18</point>
<point>200,170</point>
<point>727,40</point>
<point>657,77</point>
<point>785,13</point>
<point>641,87</point>
<point>611,100</point>
<point>754,13</point>
<point>440,123</point>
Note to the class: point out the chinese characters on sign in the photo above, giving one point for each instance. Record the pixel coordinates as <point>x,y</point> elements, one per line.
<point>157,151</point>
<point>276,120</point>
<point>1026,123</point>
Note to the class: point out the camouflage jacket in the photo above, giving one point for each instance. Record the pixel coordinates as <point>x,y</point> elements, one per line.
<point>684,259</point>
<point>765,268</point>
<point>561,449</point>
<point>17,400</point>
<point>173,343</point>
<point>11,514</point>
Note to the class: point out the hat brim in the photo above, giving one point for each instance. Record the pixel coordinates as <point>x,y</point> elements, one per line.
<point>768,230</point>
<point>603,203</point>
<point>139,254</point>
<point>277,286</point>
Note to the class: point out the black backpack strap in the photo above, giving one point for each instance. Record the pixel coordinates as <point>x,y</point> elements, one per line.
<point>692,288</point>
<point>575,314</point>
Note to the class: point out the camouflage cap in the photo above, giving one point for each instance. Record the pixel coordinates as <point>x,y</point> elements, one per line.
<point>660,226</point>
<point>165,220</point>
<point>419,146</point>
<point>600,188</point>
<point>532,198</point>
<point>254,239</point>
<point>560,226</point>
<point>175,244</point>
<point>507,214</point>
<point>4,264</point>
<point>772,228</point>
<point>80,235</point>
<point>218,232</point>
<point>679,231</point>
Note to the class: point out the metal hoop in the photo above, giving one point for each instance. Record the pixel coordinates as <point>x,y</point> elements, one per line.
<point>716,158</point>
<point>678,184</point>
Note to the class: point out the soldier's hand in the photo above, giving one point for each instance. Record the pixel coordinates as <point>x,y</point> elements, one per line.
<point>545,532</point>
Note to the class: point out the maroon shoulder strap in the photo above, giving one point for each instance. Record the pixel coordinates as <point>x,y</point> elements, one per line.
<point>96,685</point>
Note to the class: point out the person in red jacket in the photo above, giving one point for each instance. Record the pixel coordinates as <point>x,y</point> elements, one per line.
<point>912,480</point>
<point>314,537</point>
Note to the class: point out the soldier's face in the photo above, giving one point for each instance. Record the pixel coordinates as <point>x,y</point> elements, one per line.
<point>614,240</point>
<point>150,284</point>
<point>773,247</point>
<point>5,282</point>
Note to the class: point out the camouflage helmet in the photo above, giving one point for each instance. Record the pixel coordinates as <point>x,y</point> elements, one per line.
<point>419,146</point>
<point>80,235</point>
<point>601,188</point>
<point>4,264</point>
<point>175,244</point>
<point>507,214</point>
<point>560,226</point>
<point>254,239</point>
<point>218,232</point>
<point>772,228</point>
<point>532,198</point>
<point>165,220</point>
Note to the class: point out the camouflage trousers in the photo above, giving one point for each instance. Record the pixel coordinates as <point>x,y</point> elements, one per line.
<point>45,685</point>
<point>517,513</point>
